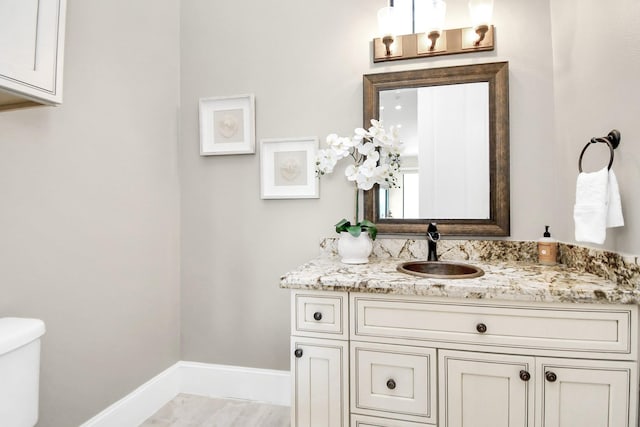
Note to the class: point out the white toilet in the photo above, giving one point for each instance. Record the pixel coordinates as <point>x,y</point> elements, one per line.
<point>19,371</point>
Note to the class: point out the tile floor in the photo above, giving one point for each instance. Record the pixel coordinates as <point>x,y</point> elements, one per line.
<point>187,410</point>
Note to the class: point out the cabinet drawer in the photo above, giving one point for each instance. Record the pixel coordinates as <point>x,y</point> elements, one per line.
<point>567,327</point>
<point>364,421</point>
<point>320,314</point>
<point>393,381</point>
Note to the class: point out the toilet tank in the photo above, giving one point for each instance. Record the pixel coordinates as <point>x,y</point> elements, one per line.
<point>19,371</point>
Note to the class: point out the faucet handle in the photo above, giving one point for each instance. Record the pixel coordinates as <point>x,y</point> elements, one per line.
<point>432,232</point>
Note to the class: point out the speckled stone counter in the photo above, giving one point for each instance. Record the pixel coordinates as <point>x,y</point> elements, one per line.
<point>511,273</point>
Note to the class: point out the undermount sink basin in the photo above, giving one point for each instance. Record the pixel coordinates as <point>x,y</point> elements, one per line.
<point>440,269</point>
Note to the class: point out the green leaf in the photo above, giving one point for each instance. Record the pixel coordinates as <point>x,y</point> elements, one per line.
<point>354,230</point>
<point>373,232</point>
<point>366,223</point>
<point>342,225</point>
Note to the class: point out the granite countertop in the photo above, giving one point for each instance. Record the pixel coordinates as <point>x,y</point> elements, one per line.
<point>503,280</point>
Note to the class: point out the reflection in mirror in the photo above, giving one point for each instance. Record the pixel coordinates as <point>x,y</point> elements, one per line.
<point>446,174</point>
<point>454,123</point>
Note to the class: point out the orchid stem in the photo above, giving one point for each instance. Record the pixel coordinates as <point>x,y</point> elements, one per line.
<point>357,204</point>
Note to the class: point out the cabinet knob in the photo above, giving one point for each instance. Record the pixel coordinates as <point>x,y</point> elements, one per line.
<point>298,353</point>
<point>481,327</point>
<point>317,315</point>
<point>391,384</point>
<point>524,375</point>
<point>550,376</point>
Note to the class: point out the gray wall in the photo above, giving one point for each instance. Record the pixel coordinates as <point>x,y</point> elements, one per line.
<point>89,222</point>
<point>304,62</point>
<point>596,68</point>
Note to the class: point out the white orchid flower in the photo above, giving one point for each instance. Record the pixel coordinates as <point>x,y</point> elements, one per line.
<point>366,149</point>
<point>375,154</point>
<point>368,167</point>
<point>387,176</point>
<point>331,138</point>
<point>365,183</point>
<point>377,124</point>
<point>351,173</point>
<point>341,146</point>
<point>325,161</point>
<point>361,134</point>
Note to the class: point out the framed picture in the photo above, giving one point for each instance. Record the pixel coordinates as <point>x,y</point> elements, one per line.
<point>227,125</point>
<point>287,168</point>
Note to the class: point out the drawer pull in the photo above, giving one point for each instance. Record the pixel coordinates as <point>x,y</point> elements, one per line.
<point>550,376</point>
<point>524,375</point>
<point>298,353</point>
<point>317,315</point>
<point>481,327</point>
<point>391,384</point>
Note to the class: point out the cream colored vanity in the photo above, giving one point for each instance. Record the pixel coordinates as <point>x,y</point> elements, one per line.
<point>31,52</point>
<point>400,352</point>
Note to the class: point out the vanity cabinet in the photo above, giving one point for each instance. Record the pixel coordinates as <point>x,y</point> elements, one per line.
<point>427,361</point>
<point>319,359</point>
<point>31,52</point>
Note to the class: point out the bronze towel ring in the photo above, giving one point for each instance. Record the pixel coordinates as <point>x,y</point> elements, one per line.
<point>612,140</point>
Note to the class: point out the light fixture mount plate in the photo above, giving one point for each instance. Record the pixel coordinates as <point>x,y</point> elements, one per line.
<point>396,48</point>
<point>469,37</point>
<point>424,44</point>
<point>450,42</point>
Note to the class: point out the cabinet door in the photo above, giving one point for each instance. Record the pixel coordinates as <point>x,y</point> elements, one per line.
<point>31,45</point>
<point>587,393</point>
<point>319,382</point>
<point>485,390</point>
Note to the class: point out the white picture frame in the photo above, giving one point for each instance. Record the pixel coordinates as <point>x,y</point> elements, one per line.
<point>288,168</point>
<point>227,125</point>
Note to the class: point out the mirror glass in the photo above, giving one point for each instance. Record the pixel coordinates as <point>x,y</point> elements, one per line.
<point>454,125</point>
<point>445,161</point>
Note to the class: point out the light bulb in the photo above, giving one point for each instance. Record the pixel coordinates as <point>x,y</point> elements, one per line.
<point>387,22</point>
<point>481,12</point>
<point>435,14</point>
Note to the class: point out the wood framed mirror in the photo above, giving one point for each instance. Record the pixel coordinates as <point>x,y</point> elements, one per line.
<point>454,123</point>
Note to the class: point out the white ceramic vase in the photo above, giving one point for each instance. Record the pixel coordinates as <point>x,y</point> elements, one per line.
<point>354,250</point>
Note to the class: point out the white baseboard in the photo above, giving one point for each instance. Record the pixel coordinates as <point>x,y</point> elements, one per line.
<point>263,385</point>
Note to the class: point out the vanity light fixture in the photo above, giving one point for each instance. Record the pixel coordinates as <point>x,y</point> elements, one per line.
<point>434,40</point>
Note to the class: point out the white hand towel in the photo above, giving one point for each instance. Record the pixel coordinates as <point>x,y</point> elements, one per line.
<point>597,206</point>
<point>590,210</point>
<point>614,213</point>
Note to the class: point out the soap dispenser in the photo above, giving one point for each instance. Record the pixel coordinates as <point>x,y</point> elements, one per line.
<point>547,248</point>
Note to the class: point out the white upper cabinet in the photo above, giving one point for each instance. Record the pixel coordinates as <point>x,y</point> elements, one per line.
<point>31,52</point>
